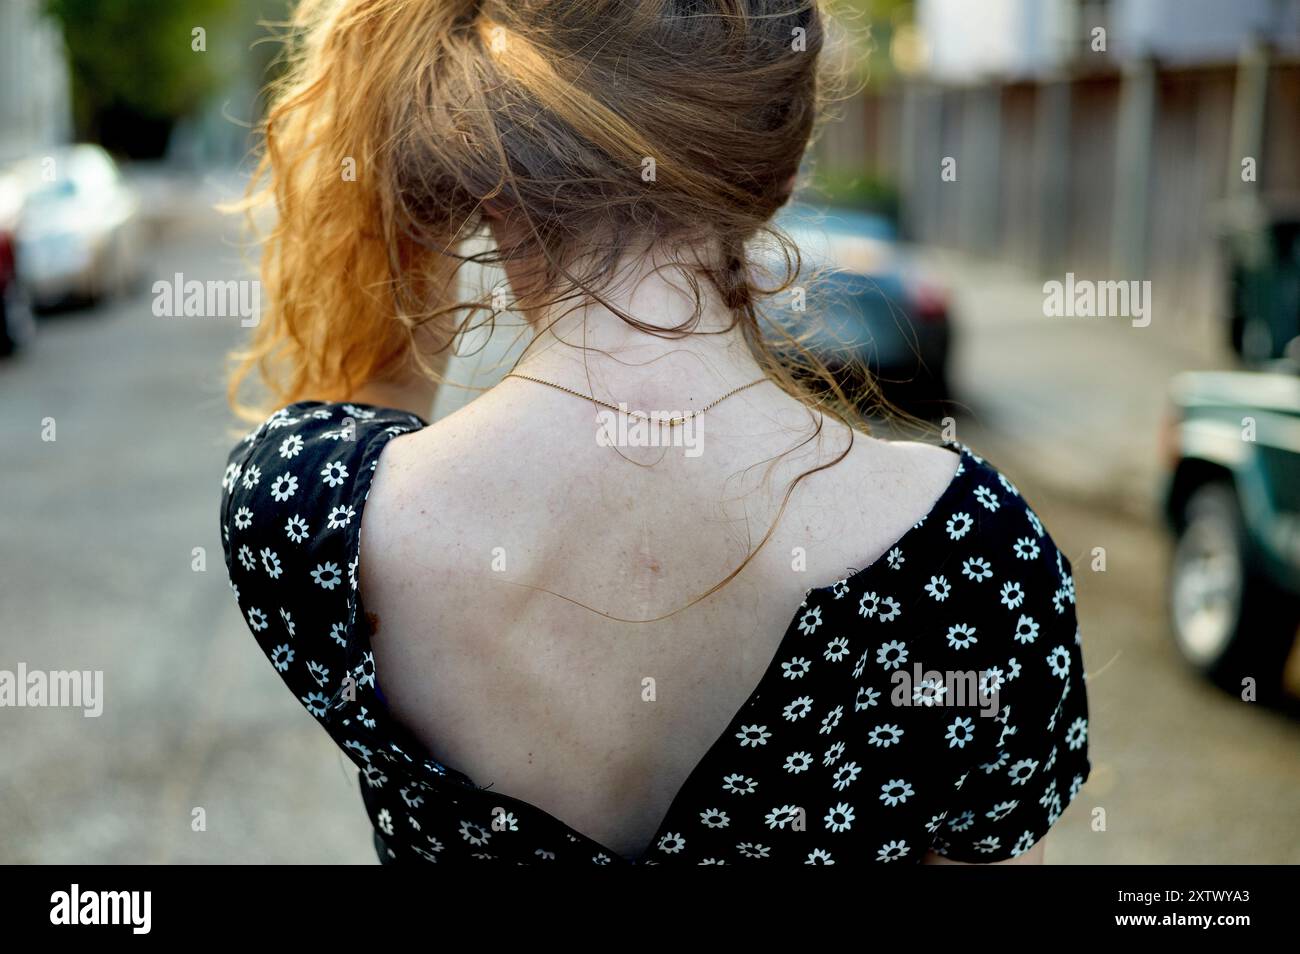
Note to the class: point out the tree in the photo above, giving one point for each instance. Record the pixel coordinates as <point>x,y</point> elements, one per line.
<point>134,66</point>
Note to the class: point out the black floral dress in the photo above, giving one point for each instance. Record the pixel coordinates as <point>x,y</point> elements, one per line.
<point>933,700</point>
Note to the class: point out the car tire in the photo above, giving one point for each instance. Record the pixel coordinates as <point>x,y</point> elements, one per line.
<point>1229,620</point>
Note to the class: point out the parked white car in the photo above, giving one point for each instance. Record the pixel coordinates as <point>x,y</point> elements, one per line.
<point>79,234</point>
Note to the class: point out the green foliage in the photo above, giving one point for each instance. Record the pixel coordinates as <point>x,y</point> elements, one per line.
<point>869,26</point>
<point>857,190</point>
<point>136,56</point>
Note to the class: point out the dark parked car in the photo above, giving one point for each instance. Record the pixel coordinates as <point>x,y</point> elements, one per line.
<point>874,309</point>
<point>16,323</point>
<point>1261,242</point>
<point>1233,501</point>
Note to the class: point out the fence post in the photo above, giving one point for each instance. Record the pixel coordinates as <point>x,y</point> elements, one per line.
<point>1249,103</point>
<point>1052,171</point>
<point>1137,103</point>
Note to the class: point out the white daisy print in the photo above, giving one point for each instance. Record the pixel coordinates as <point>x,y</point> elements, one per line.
<point>892,851</point>
<point>476,835</point>
<point>327,575</point>
<point>281,656</point>
<point>1012,595</point>
<point>798,762</point>
<point>1022,771</point>
<point>1026,630</point>
<point>780,817</point>
<point>869,605</point>
<point>334,473</point>
<point>1001,810</point>
<point>296,529</point>
<point>836,649</point>
<point>893,654</point>
<point>671,843</point>
<point>1059,661</point>
<point>961,636</point>
<point>845,775</point>
<point>866,698</point>
<point>284,486</point>
<point>890,609</point>
<point>271,563</point>
<point>938,588</point>
<point>832,755</point>
<point>929,692</point>
<point>340,517</point>
<point>811,620</point>
<point>832,720</point>
<point>315,703</point>
<point>1026,548</point>
<point>961,731</point>
<point>895,792</point>
<point>739,785</point>
<point>885,735</point>
<point>796,668</point>
<point>840,817</point>
<point>798,709</point>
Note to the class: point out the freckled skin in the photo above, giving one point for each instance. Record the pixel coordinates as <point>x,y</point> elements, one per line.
<point>502,675</point>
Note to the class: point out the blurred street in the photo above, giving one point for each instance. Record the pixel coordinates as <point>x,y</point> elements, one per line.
<point>101,524</point>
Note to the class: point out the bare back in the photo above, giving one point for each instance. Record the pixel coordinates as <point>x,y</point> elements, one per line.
<point>486,532</point>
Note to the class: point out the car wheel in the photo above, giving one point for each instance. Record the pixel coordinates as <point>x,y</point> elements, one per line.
<point>1229,620</point>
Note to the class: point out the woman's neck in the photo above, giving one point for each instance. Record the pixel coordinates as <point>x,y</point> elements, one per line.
<point>590,345</point>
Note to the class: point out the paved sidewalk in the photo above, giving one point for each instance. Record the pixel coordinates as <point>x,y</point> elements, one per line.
<point>1076,402</point>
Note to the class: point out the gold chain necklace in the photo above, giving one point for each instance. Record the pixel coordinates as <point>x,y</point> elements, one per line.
<point>671,422</point>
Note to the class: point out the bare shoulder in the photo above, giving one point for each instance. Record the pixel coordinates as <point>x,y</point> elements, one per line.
<point>459,458</point>
<point>910,471</point>
<point>931,466</point>
<point>877,491</point>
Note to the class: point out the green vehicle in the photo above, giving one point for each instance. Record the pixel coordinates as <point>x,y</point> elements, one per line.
<point>1261,252</point>
<point>1232,498</point>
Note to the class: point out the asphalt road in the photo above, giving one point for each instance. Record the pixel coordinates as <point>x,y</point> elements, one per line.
<point>97,572</point>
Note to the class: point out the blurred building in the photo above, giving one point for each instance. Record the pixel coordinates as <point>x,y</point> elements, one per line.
<point>1018,39</point>
<point>1111,137</point>
<point>35,99</point>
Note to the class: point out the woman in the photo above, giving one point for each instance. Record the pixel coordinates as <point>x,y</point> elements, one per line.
<point>607,611</point>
